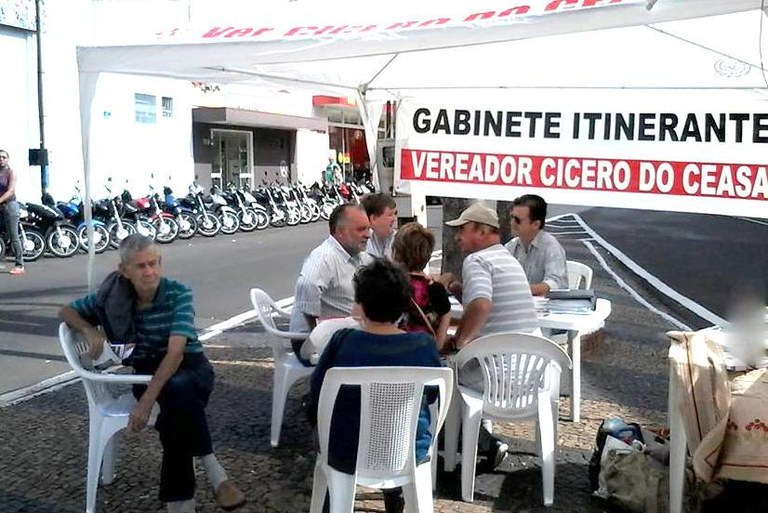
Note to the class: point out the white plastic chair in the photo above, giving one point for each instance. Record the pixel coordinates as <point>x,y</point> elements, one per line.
<point>391,399</point>
<point>521,375</point>
<point>107,413</point>
<point>288,368</point>
<point>579,275</point>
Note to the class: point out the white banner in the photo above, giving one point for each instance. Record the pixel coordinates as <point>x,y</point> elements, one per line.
<point>687,151</point>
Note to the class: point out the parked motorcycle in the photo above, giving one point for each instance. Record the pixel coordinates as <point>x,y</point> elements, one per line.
<point>32,241</point>
<point>60,236</point>
<point>185,216</point>
<point>73,212</point>
<point>208,225</point>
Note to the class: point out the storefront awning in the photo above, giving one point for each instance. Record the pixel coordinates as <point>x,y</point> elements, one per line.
<point>242,117</point>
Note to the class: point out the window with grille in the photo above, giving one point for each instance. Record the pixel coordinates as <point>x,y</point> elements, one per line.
<point>167,107</point>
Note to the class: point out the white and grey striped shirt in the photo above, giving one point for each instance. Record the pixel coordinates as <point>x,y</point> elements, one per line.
<point>324,288</point>
<point>494,274</point>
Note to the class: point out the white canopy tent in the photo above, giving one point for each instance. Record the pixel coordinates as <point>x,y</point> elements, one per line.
<point>444,50</point>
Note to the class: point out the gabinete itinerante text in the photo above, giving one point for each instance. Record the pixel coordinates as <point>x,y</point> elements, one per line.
<point>731,127</point>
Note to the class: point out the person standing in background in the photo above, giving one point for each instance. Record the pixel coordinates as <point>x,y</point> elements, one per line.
<point>332,173</point>
<point>10,210</point>
<point>381,210</point>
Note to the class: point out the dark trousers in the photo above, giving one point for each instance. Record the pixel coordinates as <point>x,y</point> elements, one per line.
<point>182,424</point>
<point>11,215</point>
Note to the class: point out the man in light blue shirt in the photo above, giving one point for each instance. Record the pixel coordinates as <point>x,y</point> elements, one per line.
<point>539,252</point>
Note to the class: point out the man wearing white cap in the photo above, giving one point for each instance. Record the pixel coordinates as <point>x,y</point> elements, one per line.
<point>496,298</point>
<point>494,289</point>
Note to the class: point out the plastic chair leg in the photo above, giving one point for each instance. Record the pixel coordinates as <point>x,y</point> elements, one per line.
<point>451,430</point>
<point>470,428</point>
<point>342,490</point>
<point>546,428</point>
<point>280,389</point>
<point>319,487</point>
<point>108,461</point>
<point>422,488</point>
<point>95,452</point>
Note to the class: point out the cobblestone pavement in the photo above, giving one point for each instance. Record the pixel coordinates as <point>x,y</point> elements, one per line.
<point>43,454</point>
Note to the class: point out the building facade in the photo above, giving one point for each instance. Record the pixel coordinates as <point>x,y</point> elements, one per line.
<point>147,130</point>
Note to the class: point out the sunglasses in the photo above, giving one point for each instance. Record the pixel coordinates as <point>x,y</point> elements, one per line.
<point>517,220</point>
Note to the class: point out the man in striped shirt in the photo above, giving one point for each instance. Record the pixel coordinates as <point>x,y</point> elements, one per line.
<point>324,288</point>
<point>496,298</point>
<point>161,318</point>
<point>494,288</point>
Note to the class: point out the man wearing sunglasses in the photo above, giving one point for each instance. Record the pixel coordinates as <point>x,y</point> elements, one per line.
<point>539,252</point>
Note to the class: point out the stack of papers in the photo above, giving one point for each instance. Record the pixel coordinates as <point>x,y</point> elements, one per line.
<point>540,303</point>
<point>570,306</point>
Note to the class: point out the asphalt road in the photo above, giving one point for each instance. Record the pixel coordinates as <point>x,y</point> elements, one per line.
<point>220,270</point>
<point>710,259</point>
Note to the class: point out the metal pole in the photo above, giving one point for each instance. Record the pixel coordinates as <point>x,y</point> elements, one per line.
<point>40,107</point>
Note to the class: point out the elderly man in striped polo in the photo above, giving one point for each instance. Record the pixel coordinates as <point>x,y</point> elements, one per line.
<point>324,288</point>
<point>137,304</point>
<point>495,295</point>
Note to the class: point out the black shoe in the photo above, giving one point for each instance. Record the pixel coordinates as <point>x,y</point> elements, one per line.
<point>498,453</point>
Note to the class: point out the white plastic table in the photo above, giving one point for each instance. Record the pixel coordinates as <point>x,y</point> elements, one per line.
<point>573,324</point>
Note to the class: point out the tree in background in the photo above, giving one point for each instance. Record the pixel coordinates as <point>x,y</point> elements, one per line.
<point>452,257</point>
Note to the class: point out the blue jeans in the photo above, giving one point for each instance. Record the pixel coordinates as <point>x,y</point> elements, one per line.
<point>182,424</point>
<point>11,215</point>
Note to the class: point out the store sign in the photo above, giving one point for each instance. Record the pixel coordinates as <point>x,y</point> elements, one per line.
<point>666,153</point>
<point>18,13</point>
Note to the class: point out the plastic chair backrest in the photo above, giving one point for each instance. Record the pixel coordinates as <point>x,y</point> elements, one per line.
<point>579,275</point>
<point>515,366</point>
<point>266,309</point>
<point>390,402</point>
<point>74,347</point>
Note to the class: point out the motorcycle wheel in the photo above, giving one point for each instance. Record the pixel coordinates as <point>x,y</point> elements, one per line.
<point>100,238</point>
<point>306,214</point>
<point>33,244</point>
<point>146,228</point>
<point>187,226</point>
<point>118,233</point>
<point>262,219</point>
<point>278,218</point>
<point>248,219</point>
<point>293,216</point>
<point>229,223</point>
<point>62,242</point>
<point>2,247</point>
<point>208,225</point>
<point>326,208</point>
<point>167,229</point>
<point>316,214</point>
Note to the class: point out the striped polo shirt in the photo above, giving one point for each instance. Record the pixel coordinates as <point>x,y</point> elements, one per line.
<point>494,274</point>
<point>171,313</point>
<point>324,288</point>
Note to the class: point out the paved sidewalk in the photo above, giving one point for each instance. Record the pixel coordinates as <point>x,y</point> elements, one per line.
<point>43,459</point>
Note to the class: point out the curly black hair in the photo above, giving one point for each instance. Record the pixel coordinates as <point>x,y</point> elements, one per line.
<point>383,290</point>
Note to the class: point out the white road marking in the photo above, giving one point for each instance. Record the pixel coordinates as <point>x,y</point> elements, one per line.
<point>632,292</point>
<point>43,387</point>
<point>652,280</point>
<point>756,221</point>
